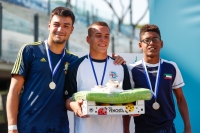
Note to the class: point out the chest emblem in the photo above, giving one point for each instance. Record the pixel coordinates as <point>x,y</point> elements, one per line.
<point>113,75</point>
<point>43,60</point>
<point>66,67</point>
<point>168,76</point>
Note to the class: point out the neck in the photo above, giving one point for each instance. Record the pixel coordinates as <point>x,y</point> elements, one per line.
<point>98,56</point>
<point>56,48</point>
<point>152,60</point>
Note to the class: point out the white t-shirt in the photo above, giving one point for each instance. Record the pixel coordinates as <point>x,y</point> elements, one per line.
<point>81,77</point>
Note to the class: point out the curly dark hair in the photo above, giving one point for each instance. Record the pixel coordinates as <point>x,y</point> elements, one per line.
<point>62,11</point>
<point>149,28</point>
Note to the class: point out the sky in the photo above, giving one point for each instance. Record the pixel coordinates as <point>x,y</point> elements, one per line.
<point>139,7</point>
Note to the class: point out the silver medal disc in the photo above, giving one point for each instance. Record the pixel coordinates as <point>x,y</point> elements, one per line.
<point>156,105</point>
<point>52,85</point>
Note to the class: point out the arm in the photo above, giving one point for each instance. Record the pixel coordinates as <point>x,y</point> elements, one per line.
<point>183,109</point>
<point>126,123</point>
<point>12,104</point>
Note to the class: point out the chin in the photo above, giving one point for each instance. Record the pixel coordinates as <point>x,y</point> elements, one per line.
<point>103,51</point>
<point>152,55</point>
<point>58,41</point>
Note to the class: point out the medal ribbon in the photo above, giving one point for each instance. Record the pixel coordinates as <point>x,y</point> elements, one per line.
<point>53,71</point>
<point>157,78</point>
<point>95,72</point>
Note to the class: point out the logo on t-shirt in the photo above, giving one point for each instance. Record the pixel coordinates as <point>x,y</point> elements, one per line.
<point>168,76</point>
<point>113,75</point>
<point>66,67</point>
<point>43,60</point>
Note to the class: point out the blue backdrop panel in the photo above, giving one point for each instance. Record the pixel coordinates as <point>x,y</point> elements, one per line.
<point>179,22</point>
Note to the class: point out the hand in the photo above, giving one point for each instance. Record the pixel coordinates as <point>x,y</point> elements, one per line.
<point>118,59</point>
<point>76,107</point>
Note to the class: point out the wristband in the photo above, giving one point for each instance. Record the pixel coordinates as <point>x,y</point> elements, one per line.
<point>12,127</point>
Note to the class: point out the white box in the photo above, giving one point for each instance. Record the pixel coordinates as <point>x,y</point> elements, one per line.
<point>90,108</point>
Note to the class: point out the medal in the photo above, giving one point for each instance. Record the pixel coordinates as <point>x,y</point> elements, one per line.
<point>52,85</point>
<point>156,105</point>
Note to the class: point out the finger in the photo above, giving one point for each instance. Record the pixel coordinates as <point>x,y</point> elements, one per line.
<point>80,114</point>
<point>136,115</point>
<point>119,61</point>
<point>80,101</point>
<point>118,58</point>
<point>85,116</point>
<point>113,54</point>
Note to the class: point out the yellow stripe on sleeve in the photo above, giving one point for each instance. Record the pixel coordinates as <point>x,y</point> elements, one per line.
<point>18,61</point>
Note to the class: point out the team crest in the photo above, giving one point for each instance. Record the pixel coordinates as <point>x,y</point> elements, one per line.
<point>66,67</point>
<point>113,75</point>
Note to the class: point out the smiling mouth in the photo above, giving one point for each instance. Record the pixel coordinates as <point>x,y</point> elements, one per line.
<point>59,35</point>
<point>151,48</point>
<point>102,45</point>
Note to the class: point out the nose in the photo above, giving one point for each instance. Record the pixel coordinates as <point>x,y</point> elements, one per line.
<point>151,42</point>
<point>102,39</point>
<point>59,28</point>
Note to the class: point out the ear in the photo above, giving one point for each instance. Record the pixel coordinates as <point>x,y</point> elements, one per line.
<point>72,29</point>
<point>88,39</point>
<point>140,45</point>
<point>162,44</point>
<point>49,26</point>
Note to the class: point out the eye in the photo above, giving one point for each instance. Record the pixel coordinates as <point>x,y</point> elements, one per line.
<point>147,40</point>
<point>107,37</point>
<point>98,35</point>
<point>56,25</point>
<point>66,26</point>
<point>156,39</point>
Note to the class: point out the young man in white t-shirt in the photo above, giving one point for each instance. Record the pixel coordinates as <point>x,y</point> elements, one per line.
<point>95,68</point>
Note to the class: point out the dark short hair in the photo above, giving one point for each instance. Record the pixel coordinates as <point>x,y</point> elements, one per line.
<point>149,28</point>
<point>100,23</point>
<point>62,11</point>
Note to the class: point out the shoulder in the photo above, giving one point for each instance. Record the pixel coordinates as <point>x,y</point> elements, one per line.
<point>135,64</point>
<point>111,64</point>
<point>166,62</point>
<point>77,62</point>
<point>111,59</point>
<point>32,45</point>
<point>28,48</point>
<point>70,57</point>
<point>71,54</point>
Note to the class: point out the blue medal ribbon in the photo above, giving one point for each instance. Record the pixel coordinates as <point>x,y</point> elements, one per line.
<point>95,72</point>
<point>53,71</point>
<point>157,78</point>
